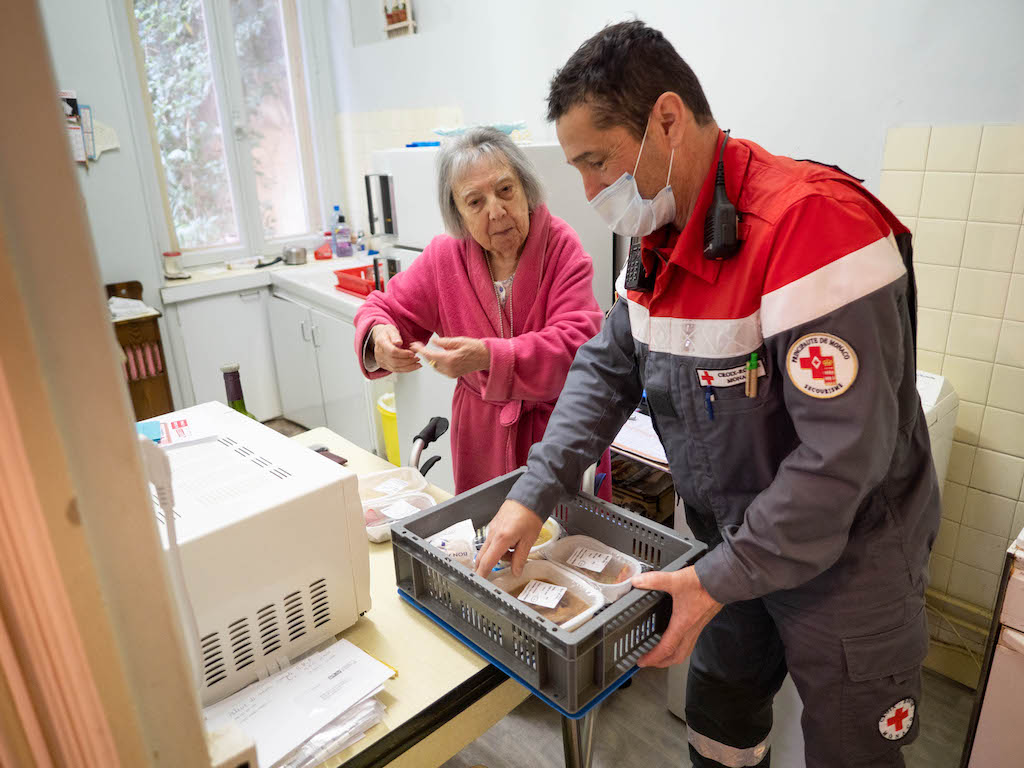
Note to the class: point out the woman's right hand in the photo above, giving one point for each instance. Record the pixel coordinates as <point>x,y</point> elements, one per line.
<point>389,352</point>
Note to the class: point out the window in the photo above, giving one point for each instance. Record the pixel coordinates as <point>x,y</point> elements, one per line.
<point>232,124</point>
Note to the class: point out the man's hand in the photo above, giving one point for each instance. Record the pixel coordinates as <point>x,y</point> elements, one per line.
<point>457,356</point>
<point>692,609</point>
<point>388,350</point>
<point>515,527</point>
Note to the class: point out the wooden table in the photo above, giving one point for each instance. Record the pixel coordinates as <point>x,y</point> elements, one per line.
<point>444,695</point>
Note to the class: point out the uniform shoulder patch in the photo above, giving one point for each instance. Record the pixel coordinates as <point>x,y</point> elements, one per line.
<point>821,365</point>
<point>896,721</point>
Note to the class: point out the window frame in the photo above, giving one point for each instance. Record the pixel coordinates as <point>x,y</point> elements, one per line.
<point>312,108</point>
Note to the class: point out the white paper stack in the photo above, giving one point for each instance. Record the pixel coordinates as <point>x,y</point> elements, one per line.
<point>309,711</point>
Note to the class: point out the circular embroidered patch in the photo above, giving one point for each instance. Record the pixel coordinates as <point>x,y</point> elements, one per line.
<point>821,365</point>
<point>896,722</point>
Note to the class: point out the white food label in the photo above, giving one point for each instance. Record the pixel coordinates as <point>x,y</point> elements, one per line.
<point>399,509</point>
<point>391,487</point>
<point>463,530</point>
<point>543,594</point>
<point>589,559</point>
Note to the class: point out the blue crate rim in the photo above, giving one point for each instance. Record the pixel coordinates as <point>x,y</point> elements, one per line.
<point>583,712</point>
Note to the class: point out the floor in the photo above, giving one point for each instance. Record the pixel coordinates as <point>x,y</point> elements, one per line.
<point>285,427</point>
<point>636,729</point>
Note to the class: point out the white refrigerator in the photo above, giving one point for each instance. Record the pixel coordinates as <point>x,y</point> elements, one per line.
<point>403,189</point>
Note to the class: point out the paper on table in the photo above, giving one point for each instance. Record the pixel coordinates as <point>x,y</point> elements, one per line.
<point>638,437</point>
<point>283,711</point>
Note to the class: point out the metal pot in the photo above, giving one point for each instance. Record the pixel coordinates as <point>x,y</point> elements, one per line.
<point>294,255</point>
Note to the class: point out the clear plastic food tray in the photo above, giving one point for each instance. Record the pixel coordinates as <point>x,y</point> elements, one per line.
<point>390,482</point>
<point>562,552</point>
<point>545,570</point>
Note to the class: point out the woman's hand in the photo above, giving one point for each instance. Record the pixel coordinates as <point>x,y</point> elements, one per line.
<point>457,356</point>
<point>515,527</point>
<point>388,350</point>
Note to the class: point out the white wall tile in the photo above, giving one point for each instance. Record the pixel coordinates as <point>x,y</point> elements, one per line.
<point>938,570</point>
<point>973,584</point>
<point>981,292</point>
<point>988,512</point>
<point>961,463</point>
<point>906,148</point>
<point>1002,149</point>
<point>954,497</point>
<point>954,148</point>
<point>968,422</point>
<point>930,361</point>
<point>1018,520</point>
<point>944,195</point>
<point>972,336</point>
<point>1018,262</point>
<point>1011,344</point>
<point>997,197</point>
<point>945,542</point>
<point>990,246</point>
<point>1003,431</point>
<point>932,329</point>
<point>997,473</point>
<point>1015,300</point>
<point>939,241</point>
<point>901,191</point>
<point>970,378</point>
<point>936,286</point>
<point>1007,389</point>
<point>981,549</point>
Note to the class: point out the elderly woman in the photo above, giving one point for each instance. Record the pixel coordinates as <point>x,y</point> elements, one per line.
<point>509,295</point>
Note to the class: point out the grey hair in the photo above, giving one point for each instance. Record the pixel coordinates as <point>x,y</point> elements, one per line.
<point>458,155</point>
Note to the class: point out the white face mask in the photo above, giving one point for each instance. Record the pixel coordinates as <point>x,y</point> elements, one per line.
<point>628,214</point>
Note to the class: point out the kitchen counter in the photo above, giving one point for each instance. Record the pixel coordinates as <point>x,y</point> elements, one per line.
<point>214,280</point>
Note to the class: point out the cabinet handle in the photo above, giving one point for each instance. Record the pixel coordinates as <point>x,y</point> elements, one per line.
<point>316,335</point>
<point>246,295</point>
<point>305,333</point>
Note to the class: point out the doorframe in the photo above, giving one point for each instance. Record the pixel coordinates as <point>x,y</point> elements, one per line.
<point>102,611</point>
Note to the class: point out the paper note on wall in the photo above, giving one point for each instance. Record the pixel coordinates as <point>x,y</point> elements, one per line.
<point>105,138</point>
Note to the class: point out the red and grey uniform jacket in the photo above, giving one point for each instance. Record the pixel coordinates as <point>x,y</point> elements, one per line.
<point>821,483</point>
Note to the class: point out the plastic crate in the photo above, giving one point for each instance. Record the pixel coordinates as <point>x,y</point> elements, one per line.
<point>568,668</point>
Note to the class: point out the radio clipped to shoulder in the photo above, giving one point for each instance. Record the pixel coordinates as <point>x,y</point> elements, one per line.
<point>637,279</point>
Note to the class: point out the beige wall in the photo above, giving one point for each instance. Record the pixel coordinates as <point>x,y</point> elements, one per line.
<point>960,188</point>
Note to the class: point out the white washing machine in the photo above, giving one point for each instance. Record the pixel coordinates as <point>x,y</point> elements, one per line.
<point>941,404</point>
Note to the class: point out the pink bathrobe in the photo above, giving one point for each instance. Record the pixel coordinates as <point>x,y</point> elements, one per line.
<point>497,414</point>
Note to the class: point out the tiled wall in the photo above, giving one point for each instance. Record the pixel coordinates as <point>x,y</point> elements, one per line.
<point>360,133</point>
<point>960,189</point>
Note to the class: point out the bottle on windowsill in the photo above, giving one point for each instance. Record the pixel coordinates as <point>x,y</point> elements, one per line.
<point>233,387</point>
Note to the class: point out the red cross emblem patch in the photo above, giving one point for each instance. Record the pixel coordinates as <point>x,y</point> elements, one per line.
<point>895,723</point>
<point>821,365</point>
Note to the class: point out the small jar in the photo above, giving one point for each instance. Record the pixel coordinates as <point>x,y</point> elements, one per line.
<point>172,263</point>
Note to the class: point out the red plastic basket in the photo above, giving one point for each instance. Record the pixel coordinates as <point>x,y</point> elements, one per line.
<point>357,281</point>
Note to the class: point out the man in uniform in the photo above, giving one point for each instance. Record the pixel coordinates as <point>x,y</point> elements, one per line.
<point>780,375</point>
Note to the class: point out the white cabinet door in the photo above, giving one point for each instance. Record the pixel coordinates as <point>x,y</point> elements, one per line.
<point>295,357</point>
<point>341,380</point>
<point>231,328</point>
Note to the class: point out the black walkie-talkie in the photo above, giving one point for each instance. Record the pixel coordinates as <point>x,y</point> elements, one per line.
<point>636,278</point>
<point>721,224</point>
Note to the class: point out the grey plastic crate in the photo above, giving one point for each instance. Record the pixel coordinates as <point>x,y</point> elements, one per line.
<point>569,667</point>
